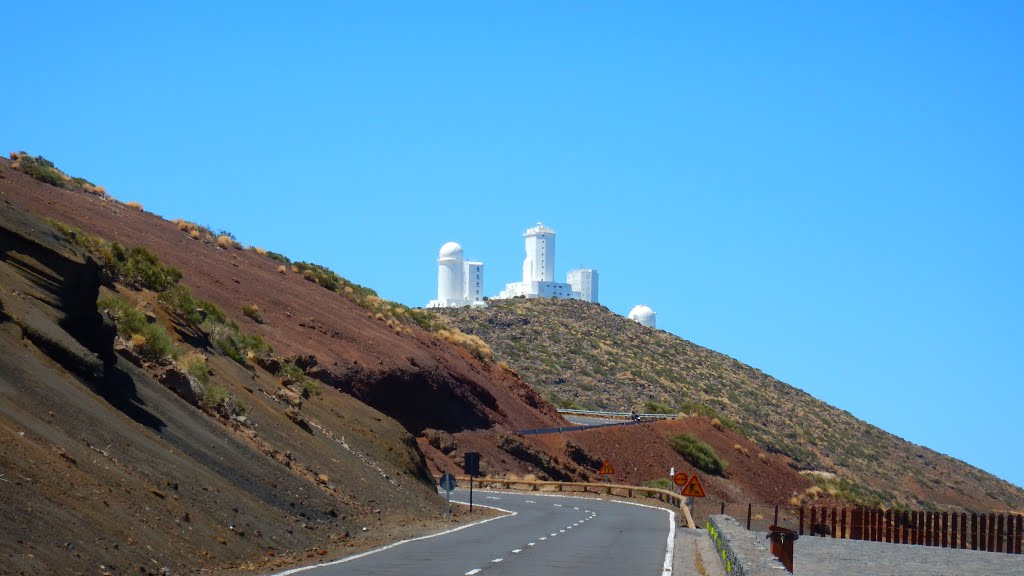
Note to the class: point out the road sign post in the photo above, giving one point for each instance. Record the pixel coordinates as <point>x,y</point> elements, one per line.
<point>693,489</point>
<point>448,484</point>
<point>471,465</point>
<point>679,479</point>
<point>607,470</point>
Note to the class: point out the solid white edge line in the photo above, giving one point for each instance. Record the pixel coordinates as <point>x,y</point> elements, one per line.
<point>666,569</point>
<point>508,514</point>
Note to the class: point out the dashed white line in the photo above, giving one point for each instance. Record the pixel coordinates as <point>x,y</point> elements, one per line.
<point>517,550</point>
<point>561,531</point>
<point>543,537</point>
<point>531,501</point>
<point>473,571</point>
<point>575,507</point>
<point>496,560</point>
<point>492,498</point>
<point>558,505</point>
<point>531,543</point>
<point>553,534</point>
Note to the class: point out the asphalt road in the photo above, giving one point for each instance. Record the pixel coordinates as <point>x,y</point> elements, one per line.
<point>547,535</point>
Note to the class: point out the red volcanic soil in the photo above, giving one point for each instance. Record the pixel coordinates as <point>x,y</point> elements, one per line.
<point>640,453</point>
<point>415,377</point>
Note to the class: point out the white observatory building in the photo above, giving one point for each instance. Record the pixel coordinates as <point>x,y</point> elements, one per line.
<point>539,272</point>
<point>459,282</point>
<point>643,315</point>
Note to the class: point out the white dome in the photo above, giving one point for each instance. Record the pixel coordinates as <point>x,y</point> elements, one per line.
<point>643,315</point>
<point>451,250</point>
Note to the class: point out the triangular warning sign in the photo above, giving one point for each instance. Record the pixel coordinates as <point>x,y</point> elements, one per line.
<point>693,488</point>
<point>606,468</point>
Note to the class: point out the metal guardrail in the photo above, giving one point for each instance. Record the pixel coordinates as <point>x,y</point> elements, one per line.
<point>598,488</point>
<point>575,428</point>
<point>629,415</point>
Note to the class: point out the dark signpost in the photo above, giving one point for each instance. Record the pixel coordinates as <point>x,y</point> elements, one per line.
<point>471,466</point>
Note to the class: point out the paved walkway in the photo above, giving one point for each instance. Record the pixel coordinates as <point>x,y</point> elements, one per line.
<point>835,557</point>
<point>695,554</point>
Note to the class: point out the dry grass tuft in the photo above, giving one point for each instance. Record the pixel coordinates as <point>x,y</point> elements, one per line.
<point>134,204</point>
<point>717,424</point>
<point>474,344</point>
<point>194,234</point>
<point>225,242</point>
<point>258,250</point>
<point>282,269</point>
<point>741,449</point>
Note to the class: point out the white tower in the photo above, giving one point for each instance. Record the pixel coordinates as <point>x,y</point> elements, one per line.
<point>450,280</point>
<point>584,281</point>
<point>643,315</point>
<point>459,282</point>
<point>539,265</point>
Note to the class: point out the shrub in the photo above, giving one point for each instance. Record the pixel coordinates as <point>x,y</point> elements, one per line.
<point>39,168</point>
<point>195,365</point>
<point>311,387</point>
<point>149,340</point>
<point>225,242</point>
<point>663,483</point>
<point>290,371</point>
<point>258,250</point>
<point>282,269</point>
<point>134,204</point>
<point>253,312</point>
<point>698,453</point>
<point>655,407</point>
<point>474,344</point>
<point>139,268</point>
<point>279,257</point>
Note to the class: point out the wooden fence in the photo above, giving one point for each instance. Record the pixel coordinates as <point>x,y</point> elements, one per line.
<point>985,532</point>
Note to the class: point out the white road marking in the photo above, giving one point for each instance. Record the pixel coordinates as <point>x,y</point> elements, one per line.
<point>496,560</point>
<point>561,531</point>
<point>558,505</point>
<point>508,513</point>
<point>543,537</point>
<point>531,543</point>
<point>517,550</point>
<point>531,501</point>
<point>492,497</point>
<point>473,571</point>
<point>575,508</point>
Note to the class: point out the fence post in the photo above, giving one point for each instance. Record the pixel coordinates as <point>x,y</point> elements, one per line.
<point>880,522</point>
<point>801,520</point>
<point>999,534</point>
<point>1017,534</point>
<point>842,524</point>
<point>991,532</point>
<point>855,524</point>
<point>983,532</point>
<point>723,507</point>
<point>776,521</point>
<point>814,519</point>
<point>945,530</point>
<point>963,531</point>
<point>748,515</point>
<point>889,527</point>
<point>834,533</point>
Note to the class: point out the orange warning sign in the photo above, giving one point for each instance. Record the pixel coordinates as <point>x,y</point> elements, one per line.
<point>679,479</point>
<point>606,468</point>
<point>693,488</point>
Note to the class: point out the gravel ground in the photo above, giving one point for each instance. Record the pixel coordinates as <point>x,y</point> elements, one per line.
<point>827,557</point>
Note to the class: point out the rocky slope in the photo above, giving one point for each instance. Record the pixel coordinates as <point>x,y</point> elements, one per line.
<point>111,462</point>
<point>580,353</point>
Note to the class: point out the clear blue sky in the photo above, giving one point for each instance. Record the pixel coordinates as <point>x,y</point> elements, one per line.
<point>830,192</point>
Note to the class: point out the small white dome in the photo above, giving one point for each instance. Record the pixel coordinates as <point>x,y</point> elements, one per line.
<point>643,315</point>
<point>451,250</point>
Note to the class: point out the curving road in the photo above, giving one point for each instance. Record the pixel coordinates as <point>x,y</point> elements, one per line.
<point>550,535</point>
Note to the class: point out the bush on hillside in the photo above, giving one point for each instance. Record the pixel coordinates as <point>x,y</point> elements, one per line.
<point>39,168</point>
<point>149,340</point>
<point>655,407</point>
<point>698,453</point>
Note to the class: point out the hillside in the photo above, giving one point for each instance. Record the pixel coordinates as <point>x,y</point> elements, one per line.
<point>577,353</point>
<point>226,415</point>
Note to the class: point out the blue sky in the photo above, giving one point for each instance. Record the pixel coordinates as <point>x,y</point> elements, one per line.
<point>830,192</point>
